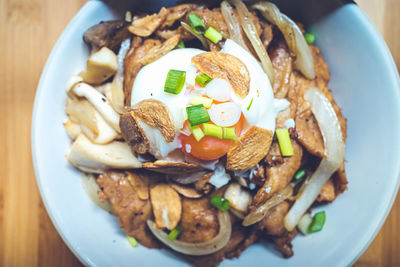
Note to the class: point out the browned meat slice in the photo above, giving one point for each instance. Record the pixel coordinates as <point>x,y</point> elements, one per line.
<point>250,238</point>
<point>279,176</point>
<point>202,184</point>
<point>145,26</point>
<point>284,243</point>
<point>307,127</point>
<point>214,19</point>
<point>284,115</point>
<point>166,34</point>
<point>309,135</point>
<point>108,33</point>
<point>282,64</point>
<point>267,33</point>
<point>132,212</point>
<point>274,156</point>
<point>259,175</point>
<point>178,12</point>
<point>241,238</point>
<point>273,221</point>
<point>340,180</point>
<point>199,221</point>
<point>327,193</point>
<point>160,50</point>
<point>132,65</point>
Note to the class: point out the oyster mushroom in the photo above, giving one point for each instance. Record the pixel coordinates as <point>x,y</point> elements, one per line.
<point>100,66</point>
<point>99,102</point>
<point>90,121</point>
<point>94,158</point>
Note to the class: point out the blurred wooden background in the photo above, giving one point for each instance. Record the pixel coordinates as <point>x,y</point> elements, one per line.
<point>29,29</point>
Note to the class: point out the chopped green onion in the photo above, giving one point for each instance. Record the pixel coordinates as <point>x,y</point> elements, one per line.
<point>317,223</point>
<point>128,16</point>
<point>132,241</point>
<point>196,23</point>
<point>197,100</point>
<point>175,81</point>
<point>305,223</point>
<point>251,102</point>
<point>310,38</point>
<point>284,142</point>
<point>213,130</point>
<point>229,133</point>
<point>181,44</point>
<point>300,174</point>
<point>197,115</point>
<point>197,132</point>
<point>203,79</point>
<point>220,203</point>
<point>213,35</point>
<point>173,235</point>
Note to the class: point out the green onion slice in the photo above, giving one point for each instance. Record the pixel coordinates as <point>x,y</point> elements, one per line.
<point>318,222</point>
<point>203,79</point>
<point>197,100</point>
<point>229,133</point>
<point>175,81</point>
<point>213,35</point>
<point>173,235</point>
<point>220,203</point>
<point>197,132</point>
<point>197,115</point>
<point>181,44</point>
<point>251,102</point>
<point>132,241</point>
<point>284,142</point>
<point>300,174</point>
<point>310,38</point>
<point>213,130</point>
<point>196,23</point>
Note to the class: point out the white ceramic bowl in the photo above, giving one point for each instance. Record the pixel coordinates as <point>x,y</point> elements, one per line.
<point>365,83</point>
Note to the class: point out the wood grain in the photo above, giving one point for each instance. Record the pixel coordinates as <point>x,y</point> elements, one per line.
<point>29,29</point>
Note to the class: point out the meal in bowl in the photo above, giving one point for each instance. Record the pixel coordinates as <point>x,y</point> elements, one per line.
<point>205,128</point>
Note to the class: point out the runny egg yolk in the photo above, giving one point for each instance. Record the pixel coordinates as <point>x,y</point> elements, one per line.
<point>209,147</point>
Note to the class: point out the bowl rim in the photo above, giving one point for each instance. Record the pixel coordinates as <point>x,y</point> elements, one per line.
<point>40,89</point>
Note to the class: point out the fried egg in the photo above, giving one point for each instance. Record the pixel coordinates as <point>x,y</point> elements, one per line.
<point>257,107</point>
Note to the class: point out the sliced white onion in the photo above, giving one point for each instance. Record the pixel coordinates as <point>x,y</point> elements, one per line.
<point>259,213</point>
<point>91,188</point>
<point>293,36</point>
<point>235,32</point>
<point>334,155</point>
<point>304,223</point>
<point>225,114</point>
<point>250,29</point>
<point>117,91</point>
<point>198,249</point>
<point>219,89</point>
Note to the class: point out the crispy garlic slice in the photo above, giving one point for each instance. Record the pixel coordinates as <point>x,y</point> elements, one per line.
<point>249,149</point>
<point>227,67</point>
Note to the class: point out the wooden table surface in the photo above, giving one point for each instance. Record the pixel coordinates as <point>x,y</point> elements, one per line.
<point>29,29</point>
